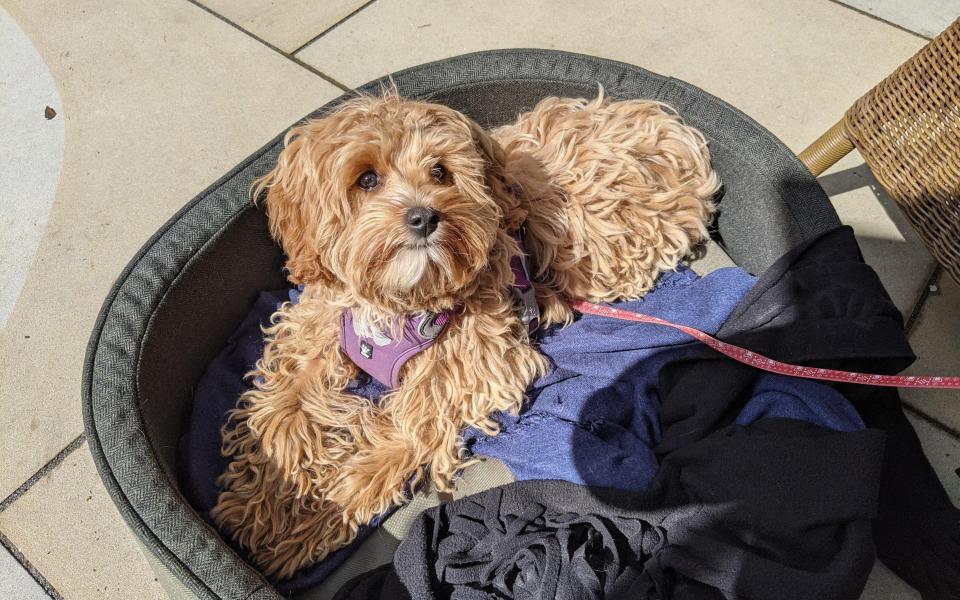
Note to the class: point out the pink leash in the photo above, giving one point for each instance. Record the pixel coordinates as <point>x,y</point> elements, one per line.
<point>768,364</point>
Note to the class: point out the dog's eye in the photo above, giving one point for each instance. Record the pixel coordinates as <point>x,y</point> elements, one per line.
<point>368,180</point>
<point>438,172</point>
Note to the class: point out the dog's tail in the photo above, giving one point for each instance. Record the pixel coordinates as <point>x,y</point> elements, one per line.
<point>618,192</point>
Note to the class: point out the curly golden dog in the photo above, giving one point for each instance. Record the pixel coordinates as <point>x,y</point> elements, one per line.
<point>390,208</point>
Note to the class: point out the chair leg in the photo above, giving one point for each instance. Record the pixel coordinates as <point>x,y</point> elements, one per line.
<point>827,149</point>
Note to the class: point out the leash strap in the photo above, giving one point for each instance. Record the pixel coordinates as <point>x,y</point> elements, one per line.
<point>768,364</point>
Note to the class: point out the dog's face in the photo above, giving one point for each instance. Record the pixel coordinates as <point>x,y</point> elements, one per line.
<point>398,201</point>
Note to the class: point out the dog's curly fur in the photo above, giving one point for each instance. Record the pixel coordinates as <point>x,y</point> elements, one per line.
<point>608,194</point>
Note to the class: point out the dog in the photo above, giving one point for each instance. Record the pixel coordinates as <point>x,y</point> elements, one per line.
<point>394,211</point>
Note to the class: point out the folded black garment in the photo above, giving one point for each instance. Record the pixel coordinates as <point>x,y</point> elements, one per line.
<point>818,305</point>
<point>775,509</point>
<point>735,517</point>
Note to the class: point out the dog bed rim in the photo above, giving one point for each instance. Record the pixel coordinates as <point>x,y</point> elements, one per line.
<point>120,490</point>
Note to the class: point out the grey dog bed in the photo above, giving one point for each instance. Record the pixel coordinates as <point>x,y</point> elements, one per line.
<point>174,306</point>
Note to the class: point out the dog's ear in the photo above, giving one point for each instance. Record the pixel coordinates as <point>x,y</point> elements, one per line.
<point>501,185</point>
<point>293,195</point>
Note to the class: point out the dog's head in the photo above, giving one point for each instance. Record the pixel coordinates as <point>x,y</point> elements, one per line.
<point>400,202</point>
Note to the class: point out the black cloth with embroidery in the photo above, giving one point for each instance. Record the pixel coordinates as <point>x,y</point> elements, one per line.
<point>775,509</point>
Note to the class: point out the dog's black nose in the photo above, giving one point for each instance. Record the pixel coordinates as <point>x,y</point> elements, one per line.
<point>422,221</point>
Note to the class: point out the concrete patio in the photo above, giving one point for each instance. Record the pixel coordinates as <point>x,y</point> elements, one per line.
<point>153,101</point>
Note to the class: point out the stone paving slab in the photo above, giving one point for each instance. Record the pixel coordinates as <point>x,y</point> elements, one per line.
<point>936,342</point>
<point>943,450</point>
<point>926,18</point>
<point>795,67</point>
<point>885,585</point>
<point>15,582</point>
<point>287,25</point>
<point>158,101</point>
<point>69,529</point>
<point>31,156</point>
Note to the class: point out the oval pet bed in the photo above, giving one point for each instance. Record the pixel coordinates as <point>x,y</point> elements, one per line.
<point>180,298</point>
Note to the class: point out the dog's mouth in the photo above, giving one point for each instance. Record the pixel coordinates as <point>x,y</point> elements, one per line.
<point>422,244</point>
<point>425,242</point>
<point>421,267</point>
<point>416,259</point>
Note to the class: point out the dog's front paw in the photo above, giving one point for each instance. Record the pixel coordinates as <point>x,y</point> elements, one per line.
<point>282,532</point>
<point>370,484</point>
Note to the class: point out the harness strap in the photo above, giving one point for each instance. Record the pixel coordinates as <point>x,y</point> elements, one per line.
<point>524,294</point>
<point>381,357</point>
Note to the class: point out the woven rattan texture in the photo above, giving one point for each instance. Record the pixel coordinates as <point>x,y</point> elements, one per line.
<point>908,130</point>
<point>827,149</point>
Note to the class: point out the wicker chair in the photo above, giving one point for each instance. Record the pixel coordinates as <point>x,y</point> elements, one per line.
<point>908,130</point>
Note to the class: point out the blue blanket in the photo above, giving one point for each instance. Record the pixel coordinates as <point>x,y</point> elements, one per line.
<point>593,420</point>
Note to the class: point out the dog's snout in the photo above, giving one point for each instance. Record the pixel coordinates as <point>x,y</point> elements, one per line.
<point>422,221</point>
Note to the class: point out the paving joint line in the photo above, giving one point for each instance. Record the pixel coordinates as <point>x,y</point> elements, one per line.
<point>289,57</point>
<point>332,27</point>
<point>932,280</point>
<point>42,472</point>
<point>935,423</point>
<point>881,19</point>
<point>29,568</point>
<point>921,301</point>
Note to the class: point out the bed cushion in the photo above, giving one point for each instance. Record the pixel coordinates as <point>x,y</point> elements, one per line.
<point>185,292</point>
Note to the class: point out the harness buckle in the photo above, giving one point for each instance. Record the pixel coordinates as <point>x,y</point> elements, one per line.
<point>527,309</point>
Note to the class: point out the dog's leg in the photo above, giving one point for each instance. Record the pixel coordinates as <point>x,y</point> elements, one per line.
<point>474,372</point>
<point>286,439</point>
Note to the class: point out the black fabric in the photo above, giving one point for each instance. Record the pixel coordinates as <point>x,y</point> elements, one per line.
<point>822,307</point>
<point>917,530</point>
<point>724,519</point>
<point>775,509</point>
<point>828,309</point>
<point>157,329</point>
<point>818,305</point>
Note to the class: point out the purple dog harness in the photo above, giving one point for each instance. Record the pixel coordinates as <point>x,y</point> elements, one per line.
<point>382,357</point>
